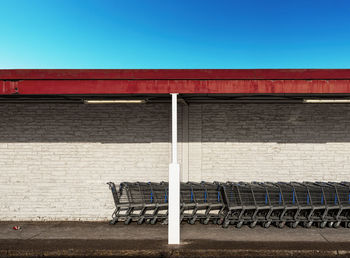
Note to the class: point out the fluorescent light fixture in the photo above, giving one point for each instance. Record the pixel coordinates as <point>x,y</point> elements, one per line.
<point>114,101</point>
<point>326,100</point>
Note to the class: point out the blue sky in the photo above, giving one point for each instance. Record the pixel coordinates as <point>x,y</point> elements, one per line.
<point>174,34</point>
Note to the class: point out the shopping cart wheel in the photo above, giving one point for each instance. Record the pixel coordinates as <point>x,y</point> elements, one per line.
<point>347,224</point>
<point>127,221</point>
<point>267,224</point>
<point>336,224</point>
<point>113,221</point>
<point>225,224</point>
<point>252,224</point>
<point>218,221</point>
<point>192,221</point>
<point>294,224</point>
<point>165,222</point>
<point>308,224</point>
<point>153,221</point>
<point>323,224</point>
<point>140,221</point>
<point>239,224</point>
<point>281,224</point>
<point>204,221</point>
<point>330,224</point>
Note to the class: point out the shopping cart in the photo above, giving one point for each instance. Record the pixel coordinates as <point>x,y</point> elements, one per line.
<point>128,202</point>
<point>263,204</point>
<point>342,197</point>
<point>241,204</point>
<point>276,201</point>
<point>155,201</point>
<point>290,204</point>
<point>187,202</point>
<point>318,200</point>
<point>237,203</point>
<point>215,204</point>
<point>121,202</point>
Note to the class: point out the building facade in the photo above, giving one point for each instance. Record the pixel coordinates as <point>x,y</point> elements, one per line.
<point>56,158</point>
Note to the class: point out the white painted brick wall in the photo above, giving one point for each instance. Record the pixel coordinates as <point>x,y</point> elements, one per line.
<point>275,142</point>
<point>55,160</point>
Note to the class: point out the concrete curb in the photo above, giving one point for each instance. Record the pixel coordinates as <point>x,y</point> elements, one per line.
<point>174,253</point>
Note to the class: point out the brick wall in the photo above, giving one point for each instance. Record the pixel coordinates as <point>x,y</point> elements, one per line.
<point>55,160</point>
<point>275,142</point>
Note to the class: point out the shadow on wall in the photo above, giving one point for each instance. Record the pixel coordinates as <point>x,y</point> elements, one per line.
<point>281,123</point>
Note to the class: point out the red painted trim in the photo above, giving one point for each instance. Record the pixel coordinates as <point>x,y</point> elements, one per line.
<point>175,74</point>
<point>8,87</point>
<point>180,86</point>
<point>254,81</point>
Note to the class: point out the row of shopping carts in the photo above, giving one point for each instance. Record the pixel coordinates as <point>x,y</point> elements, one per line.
<point>237,203</point>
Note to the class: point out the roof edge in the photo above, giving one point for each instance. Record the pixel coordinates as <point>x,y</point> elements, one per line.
<point>174,74</point>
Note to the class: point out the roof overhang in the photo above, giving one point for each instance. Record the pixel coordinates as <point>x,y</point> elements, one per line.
<point>190,81</point>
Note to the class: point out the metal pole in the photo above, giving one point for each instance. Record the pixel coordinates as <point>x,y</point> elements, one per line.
<point>174,183</point>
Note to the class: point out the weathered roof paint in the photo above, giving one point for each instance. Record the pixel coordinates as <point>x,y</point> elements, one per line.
<point>175,74</point>
<point>130,81</point>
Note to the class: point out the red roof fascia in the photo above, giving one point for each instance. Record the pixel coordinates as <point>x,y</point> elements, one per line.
<point>52,87</point>
<point>255,81</point>
<point>175,74</point>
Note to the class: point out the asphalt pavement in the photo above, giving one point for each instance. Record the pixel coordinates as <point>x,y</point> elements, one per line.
<point>99,239</point>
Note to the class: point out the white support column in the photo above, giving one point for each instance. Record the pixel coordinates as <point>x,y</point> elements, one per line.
<point>174,183</point>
